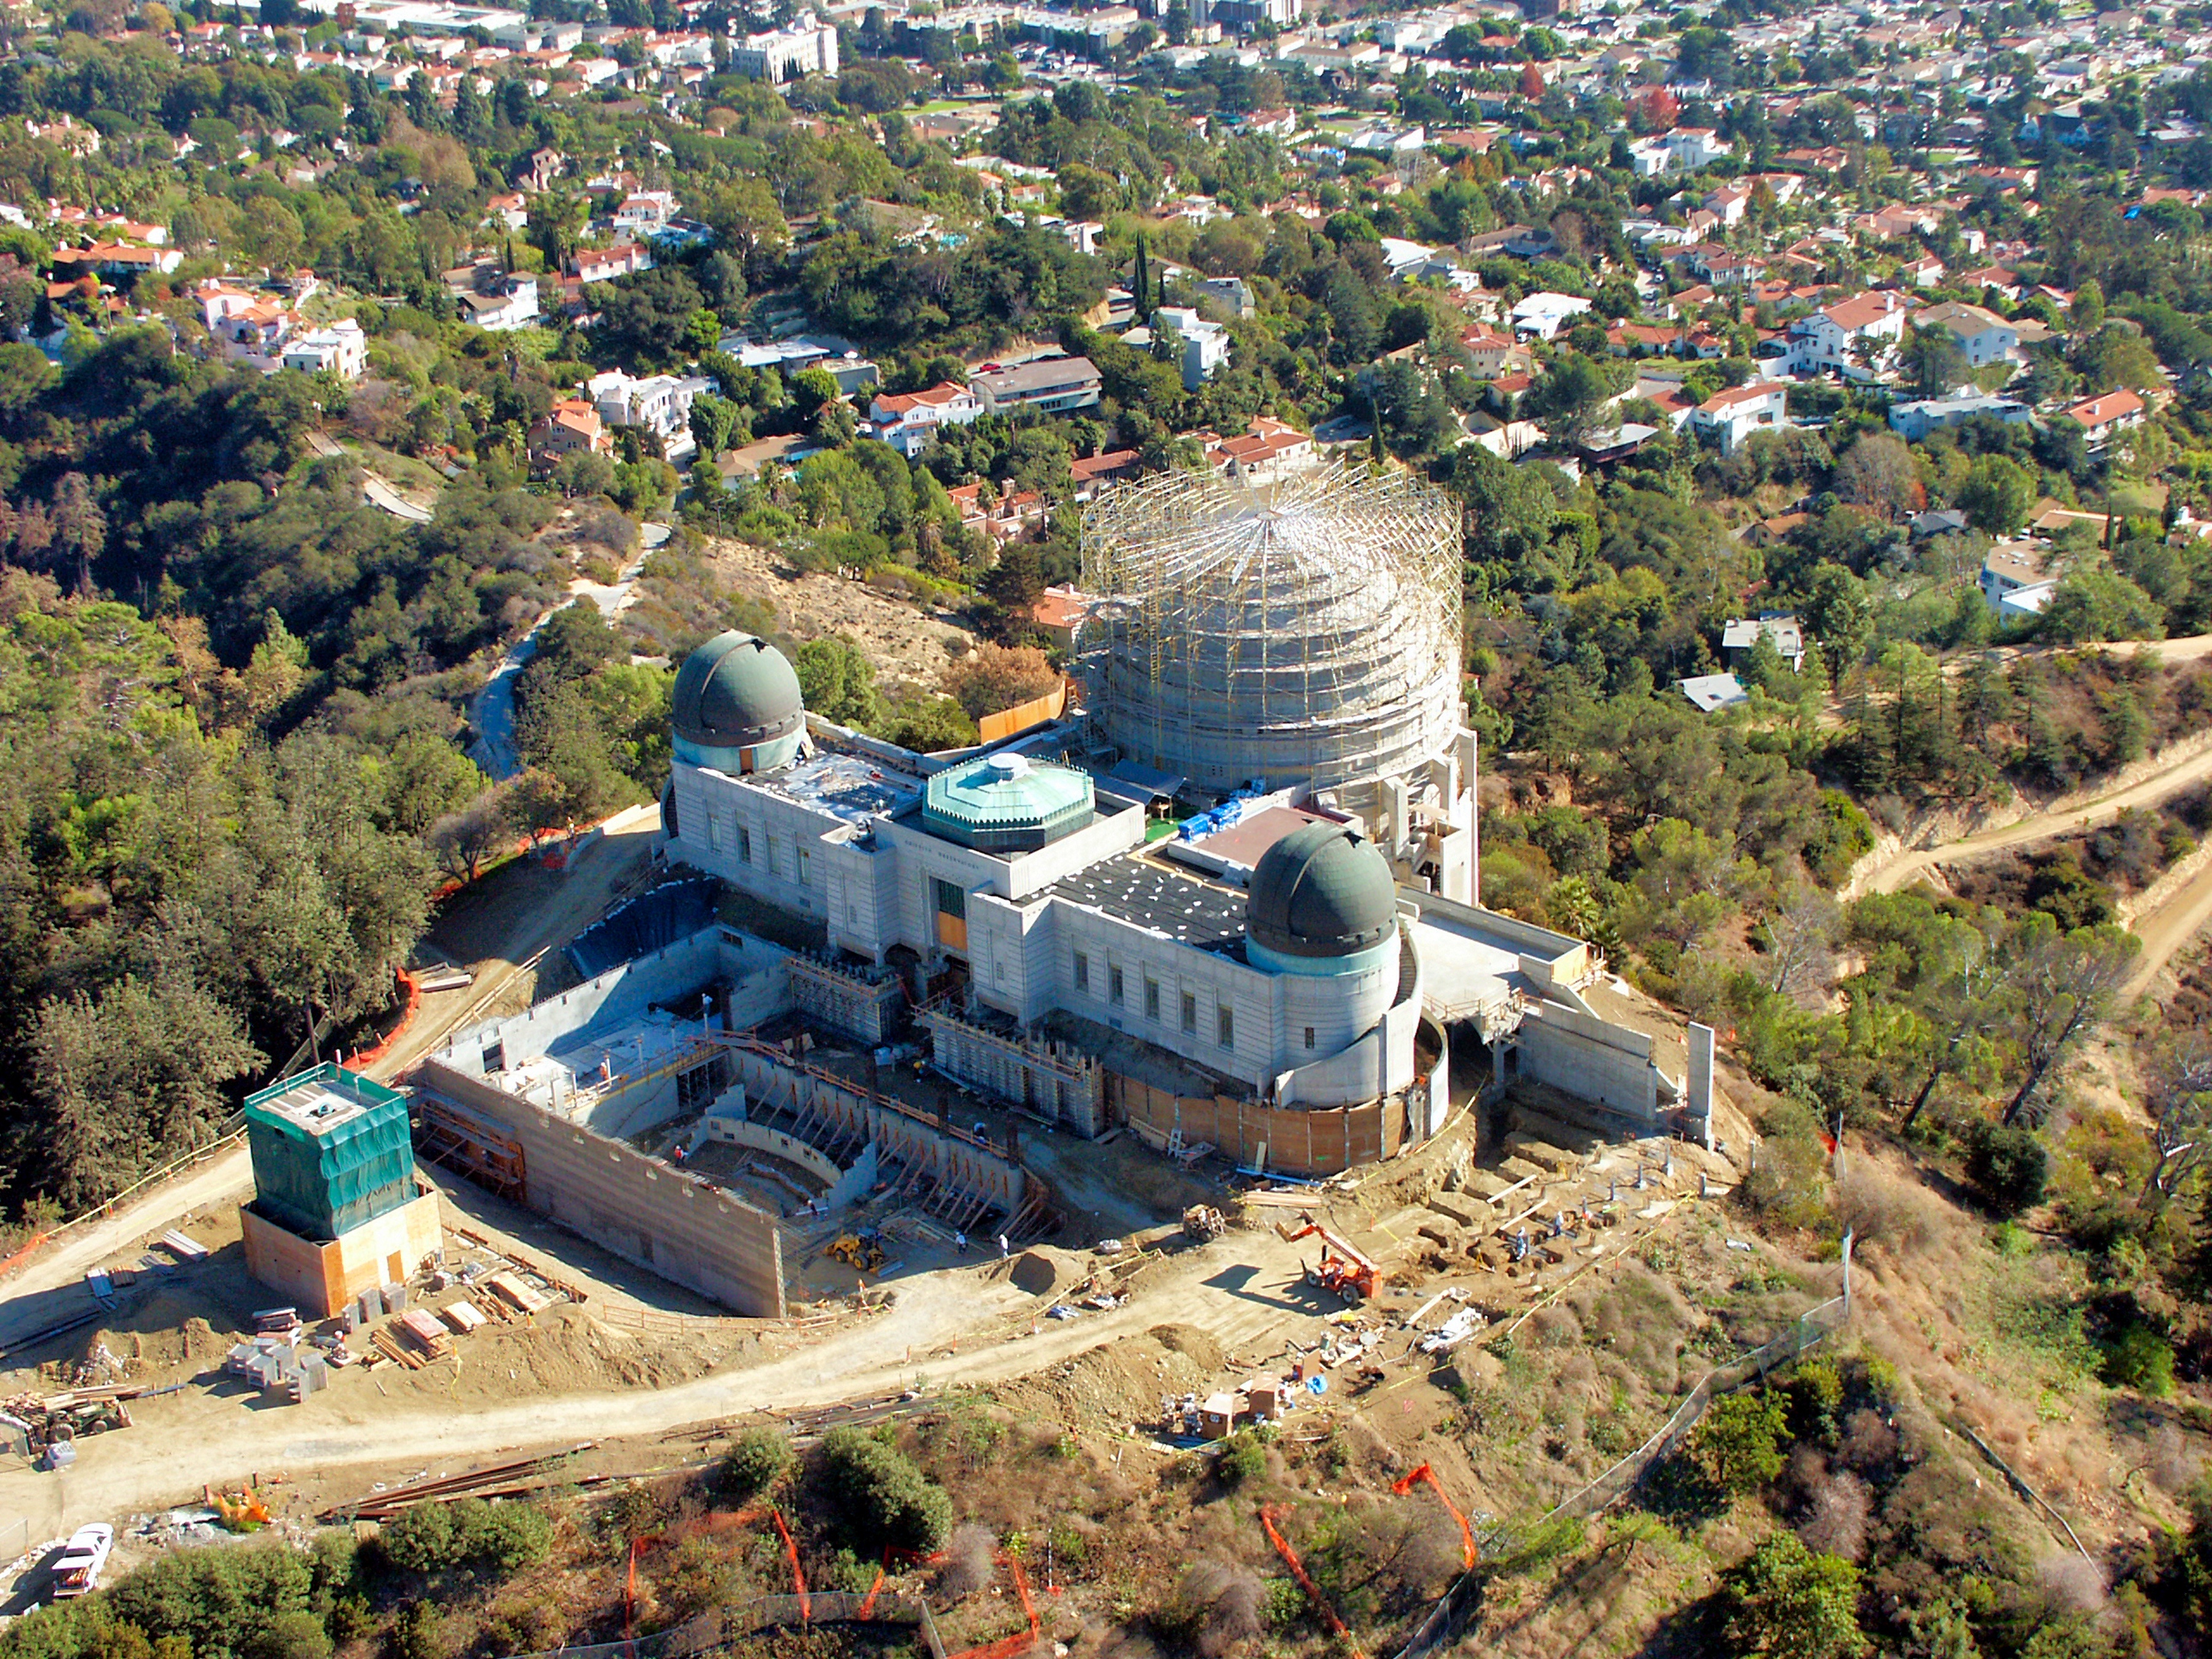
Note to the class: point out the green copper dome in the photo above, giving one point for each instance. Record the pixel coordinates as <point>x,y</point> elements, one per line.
<point>737,692</point>
<point>1006,803</point>
<point>1321,890</point>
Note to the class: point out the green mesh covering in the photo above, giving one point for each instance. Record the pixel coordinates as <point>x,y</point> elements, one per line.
<point>331,1151</point>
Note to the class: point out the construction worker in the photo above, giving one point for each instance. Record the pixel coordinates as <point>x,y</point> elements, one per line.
<point>1002,1247</point>
<point>960,1239</point>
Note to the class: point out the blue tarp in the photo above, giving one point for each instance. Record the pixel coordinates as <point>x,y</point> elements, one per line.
<point>644,925</point>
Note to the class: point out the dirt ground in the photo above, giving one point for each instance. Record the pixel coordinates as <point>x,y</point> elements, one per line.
<point>907,645</point>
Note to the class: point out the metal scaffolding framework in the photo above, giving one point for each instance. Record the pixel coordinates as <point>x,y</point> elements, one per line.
<point>1301,630</point>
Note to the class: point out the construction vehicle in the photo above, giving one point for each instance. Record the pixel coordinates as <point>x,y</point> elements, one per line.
<point>1202,1222</point>
<point>1342,1269</point>
<point>860,1252</point>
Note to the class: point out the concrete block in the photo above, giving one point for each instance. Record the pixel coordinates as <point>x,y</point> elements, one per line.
<point>1520,1169</point>
<point>1542,1153</point>
<point>1462,1208</point>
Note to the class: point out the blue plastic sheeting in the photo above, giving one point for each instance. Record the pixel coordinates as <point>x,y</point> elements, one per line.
<point>646,924</point>
<point>1229,814</point>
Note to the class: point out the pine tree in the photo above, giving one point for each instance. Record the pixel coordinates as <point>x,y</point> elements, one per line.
<point>1141,281</point>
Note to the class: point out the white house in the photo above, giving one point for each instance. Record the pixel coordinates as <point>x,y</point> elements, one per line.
<point>1984,335</point>
<point>646,213</point>
<point>1914,421</point>
<point>1826,340</point>
<point>1204,345</point>
<point>1544,314</point>
<point>510,303</point>
<point>805,46</point>
<point>2016,581</point>
<point>660,403</point>
<point>1734,414</point>
<point>339,347</point>
<point>1695,146</point>
<point>908,421</point>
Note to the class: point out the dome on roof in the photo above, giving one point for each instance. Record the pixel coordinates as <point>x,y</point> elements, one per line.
<point>1321,890</point>
<point>737,692</point>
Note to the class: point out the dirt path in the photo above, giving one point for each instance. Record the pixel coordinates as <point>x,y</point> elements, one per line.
<point>2077,814</point>
<point>2185,913</point>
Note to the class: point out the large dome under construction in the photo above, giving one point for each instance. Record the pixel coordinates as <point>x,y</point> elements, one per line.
<point>1305,630</point>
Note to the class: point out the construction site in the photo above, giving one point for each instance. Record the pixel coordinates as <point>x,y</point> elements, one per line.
<point>1178,1011</point>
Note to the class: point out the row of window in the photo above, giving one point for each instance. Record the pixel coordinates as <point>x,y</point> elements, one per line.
<point>743,847</point>
<point>1224,1016</point>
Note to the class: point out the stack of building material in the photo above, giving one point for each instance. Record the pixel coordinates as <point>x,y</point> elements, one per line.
<point>427,1331</point>
<point>510,1288</point>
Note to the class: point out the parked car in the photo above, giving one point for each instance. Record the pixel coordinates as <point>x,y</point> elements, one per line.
<point>77,1571</point>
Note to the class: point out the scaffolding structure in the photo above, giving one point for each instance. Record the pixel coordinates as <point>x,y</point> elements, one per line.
<point>1302,630</point>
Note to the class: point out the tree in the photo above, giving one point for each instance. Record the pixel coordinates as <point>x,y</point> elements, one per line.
<point>991,678</point>
<point>1877,472</point>
<point>2063,986</point>
<point>1738,1443</point>
<point>1935,360</point>
<point>837,681</point>
<point>714,419</point>
<point>1784,1599</point>
<point>1571,399</point>
<point>462,841</point>
<point>2086,315</point>
<point>1997,494</point>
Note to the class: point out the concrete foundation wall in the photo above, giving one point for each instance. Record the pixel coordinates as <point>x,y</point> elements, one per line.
<point>691,1233</point>
<point>1320,1141</point>
<point>752,970</point>
<point>867,1012</point>
<point>1049,1078</point>
<point>1591,1059</point>
<point>954,1160</point>
<point>320,1278</point>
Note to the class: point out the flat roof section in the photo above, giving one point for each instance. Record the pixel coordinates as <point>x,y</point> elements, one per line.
<point>321,1100</point>
<point>1462,973</point>
<point>848,787</point>
<point>1137,889</point>
<point>1244,842</point>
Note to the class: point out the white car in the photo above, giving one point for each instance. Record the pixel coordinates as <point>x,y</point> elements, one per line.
<point>81,1559</point>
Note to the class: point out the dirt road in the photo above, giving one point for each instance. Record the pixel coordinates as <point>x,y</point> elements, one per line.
<point>970,1326</point>
<point>1900,872</point>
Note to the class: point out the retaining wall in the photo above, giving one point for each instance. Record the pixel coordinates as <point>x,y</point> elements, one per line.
<point>1326,1140</point>
<point>687,1231</point>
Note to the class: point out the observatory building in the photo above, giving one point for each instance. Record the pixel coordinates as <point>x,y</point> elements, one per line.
<point>1303,632</point>
<point>1233,901</point>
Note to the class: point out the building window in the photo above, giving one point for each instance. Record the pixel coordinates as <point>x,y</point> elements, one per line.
<point>745,845</point>
<point>1190,1014</point>
<point>1082,971</point>
<point>770,850</point>
<point>713,834</point>
<point>1309,1036</point>
<point>1113,983</point>
<point>1151,999</point>
<point>1225,1027</point>
<point>951,900</point>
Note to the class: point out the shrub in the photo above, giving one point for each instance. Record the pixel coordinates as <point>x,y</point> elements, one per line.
<point>1216,1605</point>
<point>756,1460</point>
<point>512,1537</point>
<point>419,1539</point>
<point>1784,1599</point>
<point>882,1494</point>
<point>290,1636</point>
<point>970,1561</point>
<point>1243,1458</point>
<point>2139,1358</point>
<point>1738,1444</point>
<point>419,1633</point>
<point>2007,1166</point>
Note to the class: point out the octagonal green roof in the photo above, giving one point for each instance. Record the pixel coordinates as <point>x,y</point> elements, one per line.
<point>1006,803</point>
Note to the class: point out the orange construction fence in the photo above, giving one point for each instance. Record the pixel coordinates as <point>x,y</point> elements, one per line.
<point>1405,1483</point>
<point>1328,1618</point>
